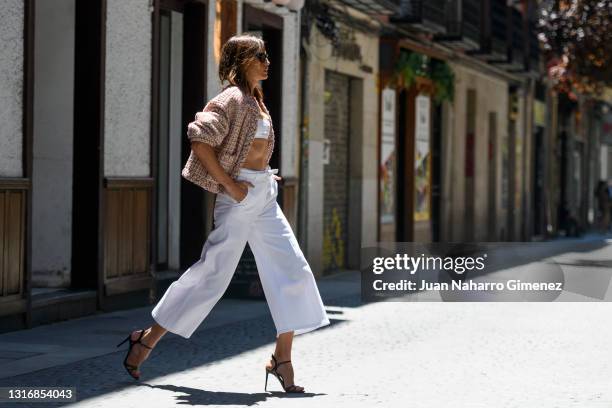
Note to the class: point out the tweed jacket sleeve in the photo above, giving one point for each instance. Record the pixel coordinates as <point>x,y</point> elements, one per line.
<point>228,122</point>
<point>211,125</point>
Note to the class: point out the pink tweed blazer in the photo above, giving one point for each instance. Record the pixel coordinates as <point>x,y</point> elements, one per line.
<point>228,123</point>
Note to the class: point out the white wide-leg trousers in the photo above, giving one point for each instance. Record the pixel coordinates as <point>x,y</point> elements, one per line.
<point>286,277</point>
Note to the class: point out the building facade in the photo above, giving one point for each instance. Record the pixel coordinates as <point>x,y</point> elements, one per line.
<point>396,121</point>
<point>97,95</point>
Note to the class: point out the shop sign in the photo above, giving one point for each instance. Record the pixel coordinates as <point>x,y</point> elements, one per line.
<point>422,160</point>
<point>388,177</point>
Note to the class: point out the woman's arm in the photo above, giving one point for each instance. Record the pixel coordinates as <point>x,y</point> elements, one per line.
<point>206,132</point>
<point>207,157</point>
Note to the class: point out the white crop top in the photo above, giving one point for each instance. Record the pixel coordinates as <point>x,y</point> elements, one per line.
<point>263,129</point>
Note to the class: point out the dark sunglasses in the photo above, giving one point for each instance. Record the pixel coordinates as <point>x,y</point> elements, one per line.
<point>262,56</point>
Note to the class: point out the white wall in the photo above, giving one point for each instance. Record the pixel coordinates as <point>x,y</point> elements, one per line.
<point>11,87</point>
<point>127,110</point>
<point>53,142</point>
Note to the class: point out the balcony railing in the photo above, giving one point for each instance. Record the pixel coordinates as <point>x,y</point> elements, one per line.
<point>436,16</point>
<point>534,48</point>
<point>471,20</point>
<point>388,7</point>
<point>489,29</point>
<point>452,19</point>
<point>434,12</point>
<point>499,27</point>
<point>486,24</point>
<point>518,46</point>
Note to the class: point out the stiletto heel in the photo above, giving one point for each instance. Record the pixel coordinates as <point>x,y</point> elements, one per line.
<point>279,377</point>
<point>130,367</point>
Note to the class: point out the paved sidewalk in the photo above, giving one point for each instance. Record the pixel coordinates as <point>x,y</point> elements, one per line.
<point>385,354</point>
<point>46,346</point>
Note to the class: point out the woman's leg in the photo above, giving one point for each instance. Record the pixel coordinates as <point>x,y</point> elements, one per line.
<point>282,352</point>
<point>285,275</point>
<point>189,299</point>
<point>287,281</point>
<point>150,337</point>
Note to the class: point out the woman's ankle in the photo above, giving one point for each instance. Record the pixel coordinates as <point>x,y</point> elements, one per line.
<point>150,338</point>
<point>282,357</point>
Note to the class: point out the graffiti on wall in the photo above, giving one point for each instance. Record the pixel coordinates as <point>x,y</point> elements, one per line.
<point>333,244</point>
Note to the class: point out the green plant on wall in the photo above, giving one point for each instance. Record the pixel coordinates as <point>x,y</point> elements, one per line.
<point>411,65</point>
<point>444,81</point>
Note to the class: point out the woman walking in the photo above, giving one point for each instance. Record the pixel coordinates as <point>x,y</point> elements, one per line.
<point>232,141</point>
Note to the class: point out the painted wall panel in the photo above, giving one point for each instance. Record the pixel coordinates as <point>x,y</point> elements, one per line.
<point>127,112</point>
<point>11,87</point>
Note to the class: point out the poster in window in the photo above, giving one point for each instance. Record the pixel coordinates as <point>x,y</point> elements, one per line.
<point>422,167</point>
<point>387,158</point>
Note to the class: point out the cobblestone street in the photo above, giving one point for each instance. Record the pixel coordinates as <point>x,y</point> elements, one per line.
<point>387,354</point>
<point>409,200</point>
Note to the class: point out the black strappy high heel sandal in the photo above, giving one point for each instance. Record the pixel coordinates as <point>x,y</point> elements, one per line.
<point>129,367</point>
<point>279,377</point>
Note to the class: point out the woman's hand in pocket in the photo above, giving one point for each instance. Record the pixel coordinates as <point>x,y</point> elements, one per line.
<point>239,189</point>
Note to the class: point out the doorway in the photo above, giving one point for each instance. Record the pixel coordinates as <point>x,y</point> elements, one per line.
<point>539,219</point>
<point>492,177</point>
<point>436,171</point>
<point>88,143</point>
<point>336,170</point>
<point>179,92</point>
<point>269,27</point>
<point>470,164</point>
<point>169,135</point>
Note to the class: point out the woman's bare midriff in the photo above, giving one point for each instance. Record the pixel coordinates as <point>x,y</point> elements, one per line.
<point>256,157</point>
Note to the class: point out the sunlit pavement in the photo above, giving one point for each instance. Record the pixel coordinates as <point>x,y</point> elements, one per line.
<point>387,354</point>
